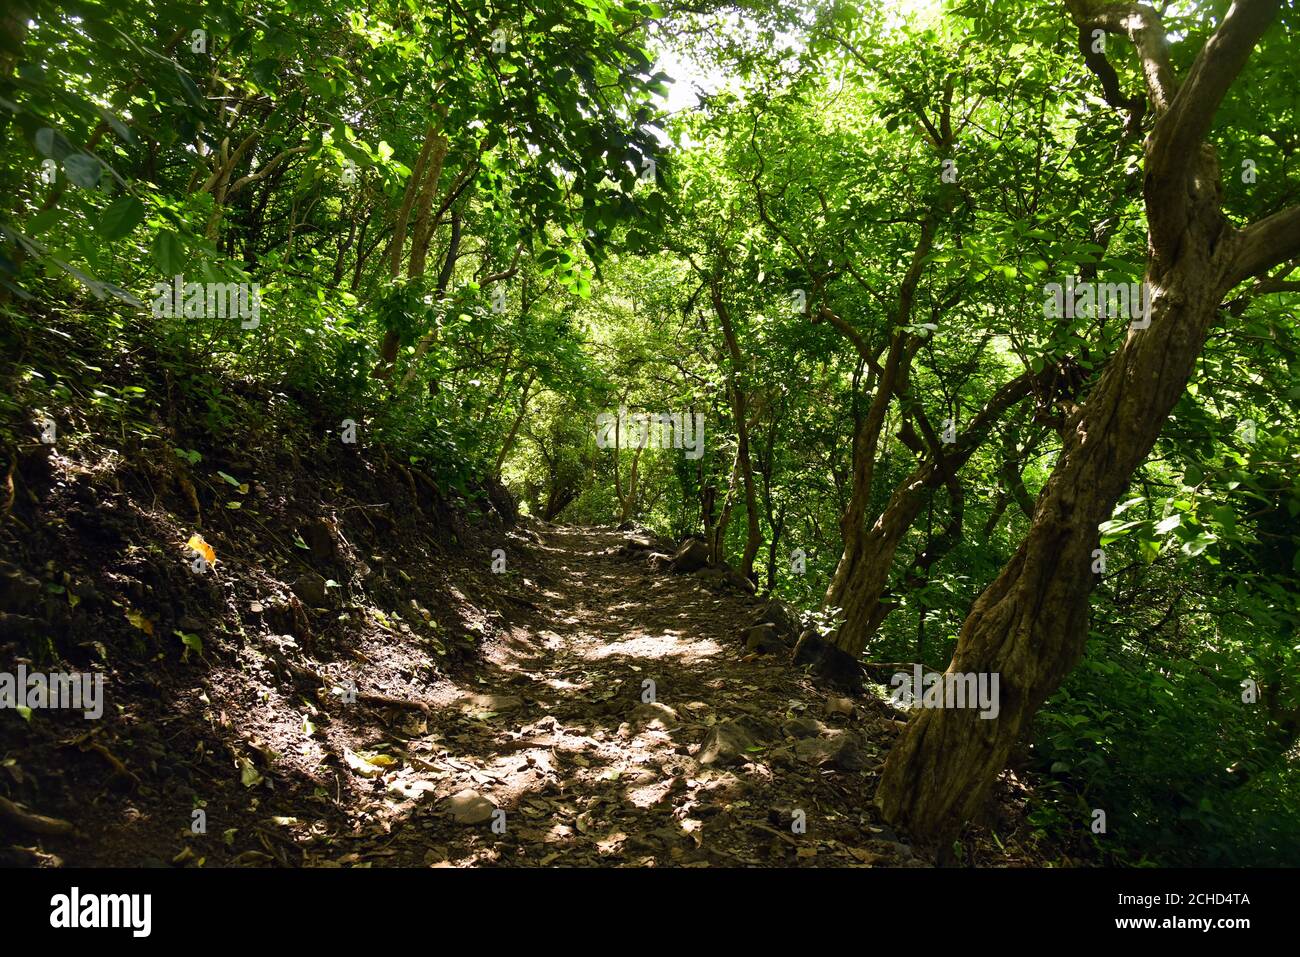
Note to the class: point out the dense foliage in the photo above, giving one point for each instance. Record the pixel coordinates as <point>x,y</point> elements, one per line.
<point>475,227</point>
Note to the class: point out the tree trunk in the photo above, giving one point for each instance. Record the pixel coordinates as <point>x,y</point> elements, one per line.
<point>1029,627</point>
<point>739,414</point>
<point>717,534</point>
<point>860,595</point>
<point>397,243</point>
<point>514,428</point>
<point>859,573</point>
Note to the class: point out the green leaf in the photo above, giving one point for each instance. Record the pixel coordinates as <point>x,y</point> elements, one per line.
<point>190,90</point>
<point>43,221</point>
<point>1198,544</point>
<point>249,776</point>
<point>120,128</point>
<point>191,642</point>
<point>1166,525</point>
<point>83,170</point>
<point>169,252</point>
<point>122,216</point>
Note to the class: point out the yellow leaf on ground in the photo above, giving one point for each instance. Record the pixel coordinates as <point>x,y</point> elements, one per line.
<point>197,544</point>
<point>139,620</point>
<point>367,765</point>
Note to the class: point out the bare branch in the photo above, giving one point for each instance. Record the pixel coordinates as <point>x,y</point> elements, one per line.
<point>267,169</point>
<point>1142,25</point>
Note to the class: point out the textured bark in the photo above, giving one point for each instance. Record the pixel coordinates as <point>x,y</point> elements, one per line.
<point>424,223</point>
<point>514,428</point>
<point>397,242</point>
<point>855,562</point>
<point>858,572</point>
<point>627,503</point>
<point>1030,625</point>
<point>715,531</point>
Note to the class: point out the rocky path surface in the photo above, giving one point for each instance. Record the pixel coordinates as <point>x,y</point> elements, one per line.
<point>621,721</point>
<point>595,704</point>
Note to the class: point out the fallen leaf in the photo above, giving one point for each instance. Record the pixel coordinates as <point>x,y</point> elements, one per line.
<point>197,544</point>
<point>368,766</point>
<point>249,776</point>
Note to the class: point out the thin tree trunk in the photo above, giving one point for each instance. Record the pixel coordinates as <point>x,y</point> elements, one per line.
<point>397,241</point>
<point>514,429</point>
<point>858,568</point>
<point>861,600</point>
<point>739,413</point>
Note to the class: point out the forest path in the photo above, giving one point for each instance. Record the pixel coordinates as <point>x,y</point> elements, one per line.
<point>587,706</point>
<point>567,754</point>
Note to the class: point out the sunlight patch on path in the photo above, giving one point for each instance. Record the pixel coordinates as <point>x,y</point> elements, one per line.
<point>656,646</point>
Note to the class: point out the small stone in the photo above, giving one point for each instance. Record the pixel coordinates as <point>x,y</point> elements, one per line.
<point>736,580</point>
<point>692,556</point>
<point>763,639</point>
<point>489,702</point>
<point>469,807</point>
<point>783,618</point>
<point>803,727</point>
<point>310,589</point>
<point>832,665</point>
<point>734,741</point>
<point>435,855</point>
<point>655,715</point>
<point>841,752</point>
<point>842,706</point>
<point>726,743</point>
<point>727,787</point>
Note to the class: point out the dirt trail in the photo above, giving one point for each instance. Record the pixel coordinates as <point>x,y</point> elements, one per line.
<point>585,707</point>
<point>734,761</point>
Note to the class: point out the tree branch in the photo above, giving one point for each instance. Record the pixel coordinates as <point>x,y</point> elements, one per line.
<point>1266,243</point>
